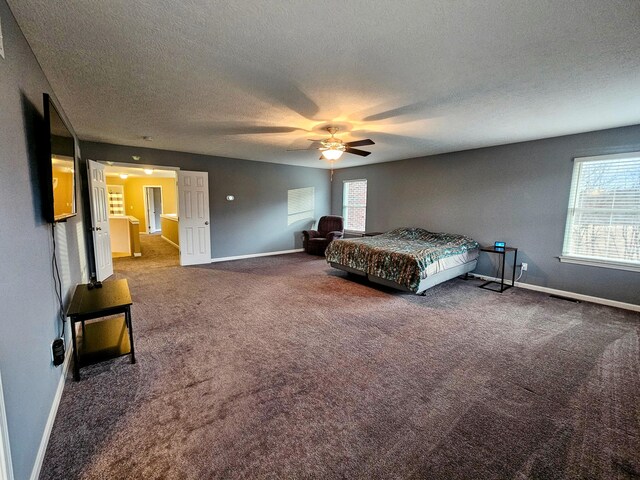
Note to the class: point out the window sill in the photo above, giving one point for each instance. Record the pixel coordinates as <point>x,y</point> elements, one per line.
<point>593,262</point>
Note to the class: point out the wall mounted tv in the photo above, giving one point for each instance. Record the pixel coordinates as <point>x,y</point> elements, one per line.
<point>58,166</point>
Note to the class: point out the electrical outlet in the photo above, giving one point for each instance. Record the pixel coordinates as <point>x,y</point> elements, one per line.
<point>57,351</point>
<point>525,266</point>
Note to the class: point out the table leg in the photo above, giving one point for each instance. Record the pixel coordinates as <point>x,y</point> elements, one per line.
<point>504,254</point>
<point>515,261</point>
<point>74,346</point>
<point>127,316</point>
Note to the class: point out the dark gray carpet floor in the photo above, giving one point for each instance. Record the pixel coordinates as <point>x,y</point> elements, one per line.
<point>281,367</point>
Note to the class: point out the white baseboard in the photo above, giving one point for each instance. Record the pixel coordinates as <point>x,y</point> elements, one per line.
<point>169,241</point>
<point>564,293</point>
<point>254,255</point>
<point>6,466</point>
<point>35,473</point>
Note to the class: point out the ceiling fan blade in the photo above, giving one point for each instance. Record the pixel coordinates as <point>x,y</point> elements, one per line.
<point>360,143</point>
<point>242,128</point>
<point>391,138</point>
<point>311,148</point>
<point>355,151</point>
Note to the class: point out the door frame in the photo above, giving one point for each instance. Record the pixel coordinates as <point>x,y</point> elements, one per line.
<point>6,467</point>
<point>146,206</point>
<point>161,167</point>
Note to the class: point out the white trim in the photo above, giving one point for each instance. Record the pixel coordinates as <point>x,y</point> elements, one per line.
<point>138,165</point>
<point>564,293</point>
<point>254,255</point>
<point>600,263</point>
<point>6,467</point>
<point>167,240</point>
<point>615,156</point>
<point>35,473</point>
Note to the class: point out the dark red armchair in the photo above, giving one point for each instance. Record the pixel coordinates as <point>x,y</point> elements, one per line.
<point>330,227</point>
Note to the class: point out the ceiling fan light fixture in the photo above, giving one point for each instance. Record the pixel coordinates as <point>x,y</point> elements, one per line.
<point>332,154</point>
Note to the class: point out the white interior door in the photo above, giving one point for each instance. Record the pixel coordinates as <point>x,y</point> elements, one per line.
<point>193,218</point>
<point>157,207</point>
<point>149,209</point>
<point>100,220</point>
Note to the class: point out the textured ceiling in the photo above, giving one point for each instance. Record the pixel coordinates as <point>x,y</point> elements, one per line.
<point>251,79</point>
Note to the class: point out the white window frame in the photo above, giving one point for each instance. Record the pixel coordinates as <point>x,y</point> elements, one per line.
<point>344,205</point>
<point>593,261</point>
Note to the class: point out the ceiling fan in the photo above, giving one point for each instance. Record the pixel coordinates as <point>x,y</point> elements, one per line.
<point>332,148</point>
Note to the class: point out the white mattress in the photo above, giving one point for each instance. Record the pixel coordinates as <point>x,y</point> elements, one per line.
<point>450,262</point>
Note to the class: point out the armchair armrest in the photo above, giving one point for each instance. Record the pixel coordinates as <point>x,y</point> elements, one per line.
<point>311,234</point>
<point>335,235</point>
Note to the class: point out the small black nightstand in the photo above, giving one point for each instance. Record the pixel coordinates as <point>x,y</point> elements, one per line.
<point>503,252</point>
<point>109,337</point>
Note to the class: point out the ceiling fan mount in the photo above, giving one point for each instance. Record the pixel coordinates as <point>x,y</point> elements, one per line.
<point>332,148</point>
<point>332,143</point>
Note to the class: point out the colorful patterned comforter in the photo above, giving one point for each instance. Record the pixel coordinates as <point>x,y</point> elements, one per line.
<point>401,255</point>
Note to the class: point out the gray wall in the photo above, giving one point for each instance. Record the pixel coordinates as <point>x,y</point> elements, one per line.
<point>256,222</point>
<point>28,321</point>
<point>518,193</point>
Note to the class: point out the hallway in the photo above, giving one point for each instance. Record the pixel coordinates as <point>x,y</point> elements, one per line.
<point>156,253</point>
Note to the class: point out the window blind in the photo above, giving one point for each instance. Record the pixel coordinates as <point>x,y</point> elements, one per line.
<point>603,221</point>
<point>300,204</point>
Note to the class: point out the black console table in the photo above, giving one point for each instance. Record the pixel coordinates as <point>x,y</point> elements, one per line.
<point>105,339</point>
<point>502,251</point>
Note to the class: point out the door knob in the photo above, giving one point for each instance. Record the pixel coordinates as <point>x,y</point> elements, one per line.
<point>206,223</point>
<point>98,228</point>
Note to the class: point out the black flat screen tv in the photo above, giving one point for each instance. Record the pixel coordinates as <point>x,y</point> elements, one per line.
<point>58,166</point>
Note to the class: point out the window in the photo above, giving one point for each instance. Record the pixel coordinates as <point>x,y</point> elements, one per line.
<point>300,204</point>
<point>603,223</point>
<point>354,205</point>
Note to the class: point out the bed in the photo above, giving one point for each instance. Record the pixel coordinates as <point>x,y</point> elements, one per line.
<point>409,259</point>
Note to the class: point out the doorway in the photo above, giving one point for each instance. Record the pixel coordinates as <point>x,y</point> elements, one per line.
<point>150,204</point>
<point>153,207</point>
